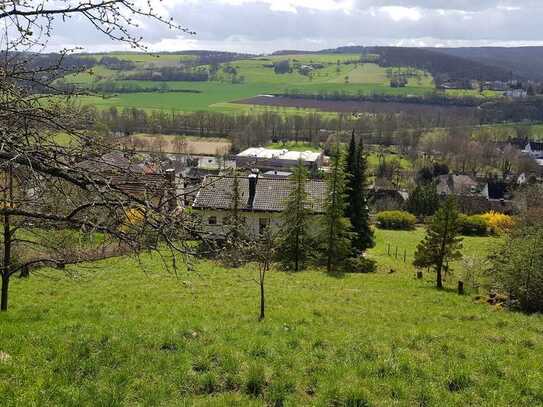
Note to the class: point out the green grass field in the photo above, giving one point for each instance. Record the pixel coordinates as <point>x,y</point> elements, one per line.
<point>114,335</point>
<point>218,95</point>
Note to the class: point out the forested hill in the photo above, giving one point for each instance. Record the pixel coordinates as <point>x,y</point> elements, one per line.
<point>524,62</point>
<point>441,65</point>
<point>487,63</point>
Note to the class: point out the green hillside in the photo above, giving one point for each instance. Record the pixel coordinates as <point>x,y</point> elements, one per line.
<point>253,76</point>
<point>114,335</point>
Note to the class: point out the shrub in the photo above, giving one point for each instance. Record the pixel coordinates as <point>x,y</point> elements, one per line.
<point>517,266</point>
<point>474,225</point>
<point>360,264</point>
<point>400,220</point>
<point>498,223</point>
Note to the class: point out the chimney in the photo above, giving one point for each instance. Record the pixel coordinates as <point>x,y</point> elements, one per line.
<point>253,178</point>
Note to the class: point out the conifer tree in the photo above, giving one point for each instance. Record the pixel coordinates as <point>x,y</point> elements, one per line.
<point>360,218</point>
<point>235,219</point>
<point>441,243</point>
<point>424,200</point>
<point>336,227</point>
<point>295,244</point>
<point>233,251</point>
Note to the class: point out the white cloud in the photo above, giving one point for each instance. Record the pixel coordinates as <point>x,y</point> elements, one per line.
<point>398,13</point>
<point>267,25</point>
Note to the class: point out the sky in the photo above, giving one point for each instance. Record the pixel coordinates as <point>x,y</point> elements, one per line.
<point>264,26</point>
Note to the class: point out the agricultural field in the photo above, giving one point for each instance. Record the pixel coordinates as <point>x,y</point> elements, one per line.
<point>255,76</point>
<point>178,144</point>
<point>112,334</point>
<point>351,106</point>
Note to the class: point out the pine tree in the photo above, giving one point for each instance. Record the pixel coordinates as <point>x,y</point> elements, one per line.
<point>357,206</point>
<point>295,242</point>
<point>441,243</point>
<point>336,227</point>
<point>233,251</point>
<point>424,200</point>
<point>234,221</point>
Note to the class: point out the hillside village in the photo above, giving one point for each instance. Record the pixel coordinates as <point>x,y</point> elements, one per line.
<point>214,204</point>
<point>474,192</point>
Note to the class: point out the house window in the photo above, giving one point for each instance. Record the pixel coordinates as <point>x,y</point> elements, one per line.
<point>212,220</point>
<point>262,224</point>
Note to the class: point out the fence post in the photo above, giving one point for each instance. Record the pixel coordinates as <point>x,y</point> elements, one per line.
<point>396,254</point>
<point>388,249</point>
<point>404,255</point>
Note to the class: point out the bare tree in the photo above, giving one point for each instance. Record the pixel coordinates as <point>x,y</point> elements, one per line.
<point>52,192</point>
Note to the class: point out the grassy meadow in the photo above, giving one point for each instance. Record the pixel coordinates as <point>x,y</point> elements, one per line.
<point>114,335</point>
<point>258,78</point>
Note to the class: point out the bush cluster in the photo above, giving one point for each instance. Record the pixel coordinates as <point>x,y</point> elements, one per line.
<point>398,220</point>
<point>498,223</point>
<point>360,264</point>
<point>474,225</point>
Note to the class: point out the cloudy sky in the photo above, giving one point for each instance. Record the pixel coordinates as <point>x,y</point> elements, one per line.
<point>262,26</point>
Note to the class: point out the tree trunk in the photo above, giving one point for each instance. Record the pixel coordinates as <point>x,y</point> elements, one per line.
<point>6,264</point>
<point>262,303</point>
<point>439,277</point>
<point>460,287</point>
<point>5,288</point>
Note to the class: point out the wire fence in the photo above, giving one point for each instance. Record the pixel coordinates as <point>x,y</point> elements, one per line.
<point>397,253</point>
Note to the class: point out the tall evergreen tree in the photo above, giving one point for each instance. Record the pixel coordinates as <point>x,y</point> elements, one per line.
<point>357,206</point>
<point>295,244</point>
<point>336,227</point>
<point>441,243</point>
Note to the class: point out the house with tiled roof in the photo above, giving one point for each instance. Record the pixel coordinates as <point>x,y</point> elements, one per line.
<point>261,201</point>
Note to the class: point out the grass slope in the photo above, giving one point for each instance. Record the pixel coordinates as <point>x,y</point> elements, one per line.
<point>259,78</point>
<point>117,336</point>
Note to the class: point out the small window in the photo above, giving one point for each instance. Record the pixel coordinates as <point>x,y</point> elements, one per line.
<point>212,220</point>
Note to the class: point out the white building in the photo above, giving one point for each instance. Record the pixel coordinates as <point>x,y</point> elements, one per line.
<point>272,159</point>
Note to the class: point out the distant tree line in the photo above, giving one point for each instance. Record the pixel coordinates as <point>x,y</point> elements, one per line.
<point>117,64</point>
<point>434,98</point>
<point>410,132</point>
<point>249,129</point>
<point>170,74</point>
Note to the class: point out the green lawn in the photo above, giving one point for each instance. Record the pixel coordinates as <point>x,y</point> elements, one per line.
<point>114,335</point>
<point>211,94</point>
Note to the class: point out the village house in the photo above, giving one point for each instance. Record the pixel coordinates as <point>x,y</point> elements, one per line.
<point>274,159</point>
<point>474,197</point>
<point>141,179</point>
<point>261,201</point>
<point>534,149</point>
<point>451,184</point>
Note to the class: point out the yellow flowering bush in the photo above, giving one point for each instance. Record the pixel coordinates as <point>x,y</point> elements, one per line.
<point>497,222</point>
<point>133,216</point>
